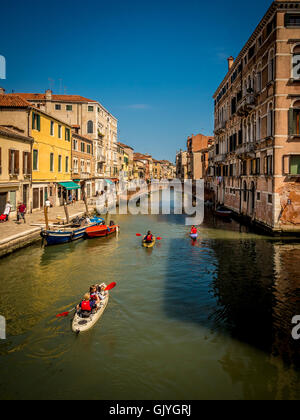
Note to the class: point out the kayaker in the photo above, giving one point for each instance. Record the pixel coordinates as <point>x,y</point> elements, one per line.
<point>93,294</point>
<point>148,238</point>
<point>194,230</point>
<point>86,306</point>
<point>101,291</point>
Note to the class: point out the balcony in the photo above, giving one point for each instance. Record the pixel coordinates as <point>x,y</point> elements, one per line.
<point>220,128</point>
<point>246,150</point>
<point>220,158</point>
<point>246,105</point>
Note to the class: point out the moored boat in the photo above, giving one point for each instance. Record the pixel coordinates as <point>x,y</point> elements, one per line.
<point>223,212</point>
<point>63,235</point>
<point>101,231</point>
<point>80,324</point>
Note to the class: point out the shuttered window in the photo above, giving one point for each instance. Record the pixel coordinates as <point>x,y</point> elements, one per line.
<point>36,121</point>
<point>295,165</point>
<point>14,162</point>
<point>294,122</point>
<point>35,160</point>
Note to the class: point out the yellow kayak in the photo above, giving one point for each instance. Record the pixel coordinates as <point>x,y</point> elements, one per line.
<point>149,245</point>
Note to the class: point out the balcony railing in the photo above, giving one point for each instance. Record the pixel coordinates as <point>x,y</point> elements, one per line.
<point>220,158</point>
<point>246,105</point>
<point>244,149</point>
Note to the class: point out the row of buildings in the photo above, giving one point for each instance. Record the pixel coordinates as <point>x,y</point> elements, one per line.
<point>252,166</point>
<point>61,146</point>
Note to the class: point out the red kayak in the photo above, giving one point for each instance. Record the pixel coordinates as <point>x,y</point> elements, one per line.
<point>101,231</point>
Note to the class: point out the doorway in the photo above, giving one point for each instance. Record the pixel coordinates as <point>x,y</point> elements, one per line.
<point>3,199</point>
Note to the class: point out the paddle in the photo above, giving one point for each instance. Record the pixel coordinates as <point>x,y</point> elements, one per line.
<point>158,238</point>
<point>65,314</point>
<point>110,287</point>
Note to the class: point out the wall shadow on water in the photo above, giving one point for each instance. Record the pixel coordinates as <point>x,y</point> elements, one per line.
<point>246,288</point>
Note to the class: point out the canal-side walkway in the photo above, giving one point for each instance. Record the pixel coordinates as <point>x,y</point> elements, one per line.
<point>14,235</point>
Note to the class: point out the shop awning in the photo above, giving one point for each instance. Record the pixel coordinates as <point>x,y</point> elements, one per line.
<point>69,185</point>
<point>109,181</point>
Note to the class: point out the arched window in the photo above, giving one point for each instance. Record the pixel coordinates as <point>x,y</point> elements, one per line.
<point>258,127</point>
<point>258,79</point>
<point>90,127</point>
<point>270,121</point>
<point>271,66</point>
<point>296,63</point>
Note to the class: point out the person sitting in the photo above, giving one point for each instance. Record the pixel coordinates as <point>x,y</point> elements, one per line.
<point>194,230</point>
<point>86,306</point>
<point>101,291</point>
<point>148,238</point>
<point>94,295</point>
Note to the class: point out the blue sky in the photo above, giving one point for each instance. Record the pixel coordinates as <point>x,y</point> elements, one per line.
<point>153,64</point>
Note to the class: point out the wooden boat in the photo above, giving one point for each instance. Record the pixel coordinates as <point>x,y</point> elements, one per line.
<point>223,212</point>
<point>71,233</point>
<point>149,244</point>
<point>80,324</point>
<point>101,231</point>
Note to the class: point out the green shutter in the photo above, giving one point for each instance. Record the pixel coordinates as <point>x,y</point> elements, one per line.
<point>38,122</point>
<point>33,115</point>
<point>292,122</point>
<point>295,165</point>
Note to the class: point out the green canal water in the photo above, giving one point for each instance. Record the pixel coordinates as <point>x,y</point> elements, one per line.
<point>204,320</point>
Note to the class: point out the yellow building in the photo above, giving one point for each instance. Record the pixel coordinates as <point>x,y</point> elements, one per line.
<point>156,169</point>
<point>51,150</point>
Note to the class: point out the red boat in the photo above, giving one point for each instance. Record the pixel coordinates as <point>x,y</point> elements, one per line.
<point>101,231</point>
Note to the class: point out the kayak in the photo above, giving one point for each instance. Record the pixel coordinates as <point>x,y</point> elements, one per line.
<point>194,235</point>
<point>149,244</point>
<point>80,324</point>
<point>101,231</point>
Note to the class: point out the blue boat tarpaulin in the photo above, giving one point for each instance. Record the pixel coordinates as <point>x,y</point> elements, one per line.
<point>70,185</point>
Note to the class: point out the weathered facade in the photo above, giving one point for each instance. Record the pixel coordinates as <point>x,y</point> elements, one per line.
<point>181,165</point>
<point>257,124</point>
<point>83,165</point>
<point>15,168</point>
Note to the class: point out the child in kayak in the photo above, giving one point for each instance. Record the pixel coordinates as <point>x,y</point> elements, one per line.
<point>101,291</point>
<point>194,230</point>
<point>86,306</point>
<point>94,295</point>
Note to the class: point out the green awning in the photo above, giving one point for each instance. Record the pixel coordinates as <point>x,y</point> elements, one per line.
<point>109,181</point>
<point>69,185</point>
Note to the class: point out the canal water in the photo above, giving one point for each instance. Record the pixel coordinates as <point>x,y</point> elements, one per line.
<point>188,320</point>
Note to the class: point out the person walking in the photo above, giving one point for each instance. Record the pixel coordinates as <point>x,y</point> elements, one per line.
<point>7,210</point>
<point>21,212</point>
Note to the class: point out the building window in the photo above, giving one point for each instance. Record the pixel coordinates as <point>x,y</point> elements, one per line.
<point>57,107</point>
<point>67,164</point>
<point>51,162</point>
<point>258,196</point>
<point>82,147</point>
<point>51,128</point>
<point>294,120</point>
<point>59,163</point>
<point>59,132</point>
<point>88,149</point>
<point>90,108</point>
<point>35,160</point>
<point>269,165</point>
<point>36,121</point>
<point>296,63</point>
<point>88,166</point>
<point>69,107</point>
<point>68,137</point>
<point>75,145</point>
<point>75,164</point>
<point>270,121</point>
<point>271,67</point>
<point>270,199</point>
<point>82,165</point>
<point>245,192</point>
<point>292,20</point>
<point>90,127</point>
<point>295,165</point>
<point>14,162</point>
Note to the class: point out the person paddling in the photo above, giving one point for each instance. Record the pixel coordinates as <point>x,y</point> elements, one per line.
<point>194,230</point>
<point>86,306</point>
<point>148,238</point>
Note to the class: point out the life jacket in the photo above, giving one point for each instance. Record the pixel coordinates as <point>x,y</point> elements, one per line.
<point>93,296</point>
<point>193,231</point>
<point>86,306</point>
<point>149,238</point>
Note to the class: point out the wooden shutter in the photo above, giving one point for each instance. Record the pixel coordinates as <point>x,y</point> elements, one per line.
<point>28,163</point>
<point>292,123</point>
<point>10,152</point>
<point>24,163</point>
<point>17,162</point>
<point>0,161</point>
<point>38,122</point>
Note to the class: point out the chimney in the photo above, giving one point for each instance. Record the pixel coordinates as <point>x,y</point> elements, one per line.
<point>2,90</point>
<point>230,62</point>
<point>48,95</point>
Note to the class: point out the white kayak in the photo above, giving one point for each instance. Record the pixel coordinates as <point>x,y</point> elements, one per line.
<point>80,324</point>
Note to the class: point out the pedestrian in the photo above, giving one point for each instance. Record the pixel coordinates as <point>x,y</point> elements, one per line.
<point>48,203</point>
<point>21,212</point>
<point>7,210</point>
